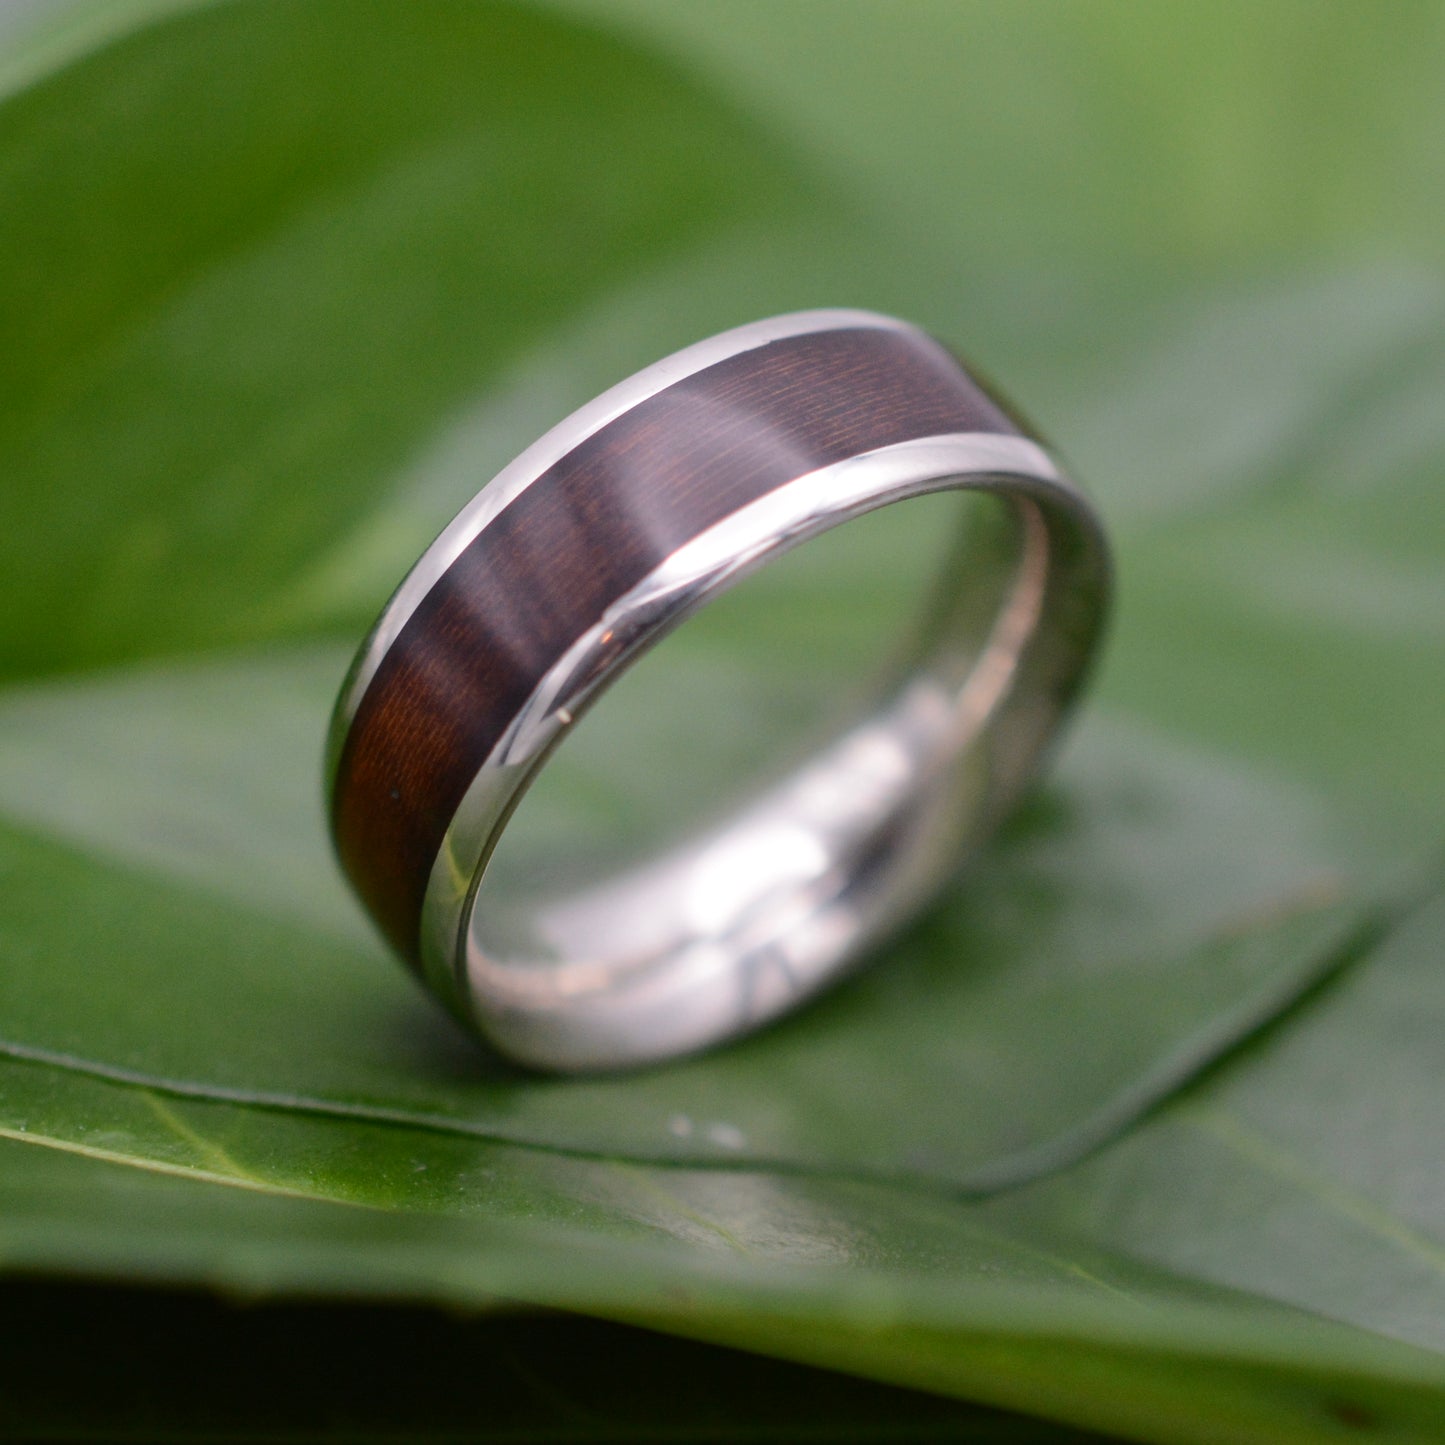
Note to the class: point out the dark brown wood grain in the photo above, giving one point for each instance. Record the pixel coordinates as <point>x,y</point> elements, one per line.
<point>589,528</point>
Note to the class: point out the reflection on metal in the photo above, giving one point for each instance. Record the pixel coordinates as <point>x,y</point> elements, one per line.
<point>734,926</point>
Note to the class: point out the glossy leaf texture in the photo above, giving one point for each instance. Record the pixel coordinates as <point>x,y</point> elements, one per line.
<point>1136,1129</point>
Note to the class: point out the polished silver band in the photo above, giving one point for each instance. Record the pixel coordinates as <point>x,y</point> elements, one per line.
<point>730,927</point>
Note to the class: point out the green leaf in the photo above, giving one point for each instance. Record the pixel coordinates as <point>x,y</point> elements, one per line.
<point>1111,893</point>
<point>1324,1135</point>
<point>991,1301</point>
<point>1190,140</point>
<point>285,290</point>
<point>234,319</point>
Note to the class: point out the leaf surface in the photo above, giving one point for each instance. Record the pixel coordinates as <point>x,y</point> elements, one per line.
<point>1135,1130</point>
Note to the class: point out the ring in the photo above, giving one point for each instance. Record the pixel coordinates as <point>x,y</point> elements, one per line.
<point>655,925</point>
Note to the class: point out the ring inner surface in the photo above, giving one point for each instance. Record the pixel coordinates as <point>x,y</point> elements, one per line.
<point>788,755</point>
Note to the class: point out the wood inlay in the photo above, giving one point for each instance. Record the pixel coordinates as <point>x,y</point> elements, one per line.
<point>589,528</point>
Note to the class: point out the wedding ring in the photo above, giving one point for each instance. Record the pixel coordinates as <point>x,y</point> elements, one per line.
<point>682,491</point>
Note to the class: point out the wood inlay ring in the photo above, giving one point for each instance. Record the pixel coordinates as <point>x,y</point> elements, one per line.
<point>486,618</point>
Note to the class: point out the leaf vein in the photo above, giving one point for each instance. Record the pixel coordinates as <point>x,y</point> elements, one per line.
<point>1266,1154</point>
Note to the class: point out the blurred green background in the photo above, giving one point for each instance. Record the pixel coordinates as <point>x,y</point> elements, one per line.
<point>1138,1131</point>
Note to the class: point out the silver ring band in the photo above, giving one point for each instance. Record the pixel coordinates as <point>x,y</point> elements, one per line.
<point>629,517</point>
